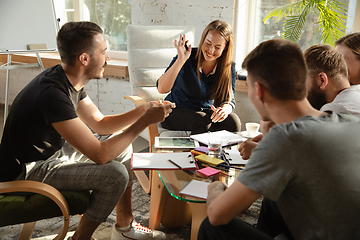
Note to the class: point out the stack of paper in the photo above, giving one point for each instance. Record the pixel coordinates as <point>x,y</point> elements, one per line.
<point>228,138</point>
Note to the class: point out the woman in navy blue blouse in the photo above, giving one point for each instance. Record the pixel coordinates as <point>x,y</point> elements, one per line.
<point>201,81</point>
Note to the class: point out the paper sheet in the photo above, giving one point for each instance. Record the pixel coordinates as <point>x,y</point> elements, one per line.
<point>196,188</point>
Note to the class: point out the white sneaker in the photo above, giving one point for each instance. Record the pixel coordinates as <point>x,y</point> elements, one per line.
<point>136,231</point>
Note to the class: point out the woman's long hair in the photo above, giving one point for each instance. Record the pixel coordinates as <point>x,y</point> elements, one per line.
<point>352,41</point>
<point>222,88</point>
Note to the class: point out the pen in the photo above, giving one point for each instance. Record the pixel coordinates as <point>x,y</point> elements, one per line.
<point>175,164</point>
<point>225,158</point>
<point>225,173</point>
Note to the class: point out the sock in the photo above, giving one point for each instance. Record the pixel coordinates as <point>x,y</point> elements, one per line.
<point>124,229</point>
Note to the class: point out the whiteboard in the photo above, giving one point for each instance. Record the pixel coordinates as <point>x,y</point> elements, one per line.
<point>24,22</point>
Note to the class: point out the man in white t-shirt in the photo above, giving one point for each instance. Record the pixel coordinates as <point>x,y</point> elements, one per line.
<point>328,85</point>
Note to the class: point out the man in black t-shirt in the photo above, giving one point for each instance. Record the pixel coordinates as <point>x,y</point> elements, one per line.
<point>52,116</point>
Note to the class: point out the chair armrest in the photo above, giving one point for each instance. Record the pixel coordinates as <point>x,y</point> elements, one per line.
<point>136,99</point>
<point>43,189</point>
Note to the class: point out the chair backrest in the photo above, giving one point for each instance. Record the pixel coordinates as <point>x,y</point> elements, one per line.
<point>150,51</point>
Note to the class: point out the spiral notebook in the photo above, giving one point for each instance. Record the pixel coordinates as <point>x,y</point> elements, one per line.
<point>154,161</point>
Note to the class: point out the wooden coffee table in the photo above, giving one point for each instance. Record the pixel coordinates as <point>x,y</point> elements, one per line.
<point>172,209</point>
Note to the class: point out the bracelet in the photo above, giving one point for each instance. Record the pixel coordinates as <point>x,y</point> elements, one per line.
<point>227,102</point>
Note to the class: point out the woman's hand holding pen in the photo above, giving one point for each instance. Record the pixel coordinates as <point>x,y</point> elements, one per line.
<point>183,53</point>
<point>220,113</point>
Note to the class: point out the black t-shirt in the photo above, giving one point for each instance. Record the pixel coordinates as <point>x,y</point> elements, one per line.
<point>28,134</point>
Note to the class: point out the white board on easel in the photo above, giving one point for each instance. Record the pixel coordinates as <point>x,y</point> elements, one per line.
<point>26,22</point>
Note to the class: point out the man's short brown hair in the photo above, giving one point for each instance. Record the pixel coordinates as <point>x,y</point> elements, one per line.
<point>279,65</point>
<point>324,58</point>
<point>75,38</point>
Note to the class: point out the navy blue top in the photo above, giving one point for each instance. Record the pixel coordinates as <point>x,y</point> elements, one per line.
<point>188,93</point>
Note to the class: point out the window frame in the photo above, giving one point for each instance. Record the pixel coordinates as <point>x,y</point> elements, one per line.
<point>78,16</point>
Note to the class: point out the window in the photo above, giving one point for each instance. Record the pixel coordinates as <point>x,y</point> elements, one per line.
<point>112,15</point>
<point>250,29</point>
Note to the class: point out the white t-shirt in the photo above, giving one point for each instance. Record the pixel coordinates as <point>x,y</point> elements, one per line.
<point>347,101</point>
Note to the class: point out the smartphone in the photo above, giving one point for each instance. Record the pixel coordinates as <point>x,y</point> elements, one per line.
<point>186,46</point>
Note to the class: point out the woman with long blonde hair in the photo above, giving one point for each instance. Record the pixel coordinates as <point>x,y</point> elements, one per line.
<point>201,82</point>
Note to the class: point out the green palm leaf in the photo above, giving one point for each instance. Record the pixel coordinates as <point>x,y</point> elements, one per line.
<point>283,11</point>
<point>331,18</point>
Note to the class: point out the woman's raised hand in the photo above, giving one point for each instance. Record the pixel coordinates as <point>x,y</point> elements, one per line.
<point>180,45</point>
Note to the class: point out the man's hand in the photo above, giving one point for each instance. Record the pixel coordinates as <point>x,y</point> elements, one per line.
<point>246,148</point>
<point>157,111</point>
<point>214,190</point>
<point>265,126</point>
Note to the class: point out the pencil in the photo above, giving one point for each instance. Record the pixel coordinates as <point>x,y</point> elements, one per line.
<point>175,164</point>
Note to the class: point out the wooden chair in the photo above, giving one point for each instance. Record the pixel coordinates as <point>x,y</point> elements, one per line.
<point>150,51</point>
<point>41,201</point>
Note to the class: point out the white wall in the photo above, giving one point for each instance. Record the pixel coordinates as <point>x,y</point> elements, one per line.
<point>186,12</point>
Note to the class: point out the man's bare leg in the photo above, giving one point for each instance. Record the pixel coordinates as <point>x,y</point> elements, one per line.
<point>85,229</point>
<point>124,214</point>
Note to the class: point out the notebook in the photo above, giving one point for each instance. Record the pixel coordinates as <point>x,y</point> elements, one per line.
<point>234,157</point>
<point>147,161</point>
<point>196,188</point>
<point>209,160</point>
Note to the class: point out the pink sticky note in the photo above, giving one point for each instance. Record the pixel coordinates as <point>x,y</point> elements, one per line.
<point>208,171</point>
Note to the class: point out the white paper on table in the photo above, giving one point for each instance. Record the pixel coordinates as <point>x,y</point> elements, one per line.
<point>228,138</point>
<point>196,188</point>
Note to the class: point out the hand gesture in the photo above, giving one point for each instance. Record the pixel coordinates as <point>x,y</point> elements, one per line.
<point>183,53</point>
<point>157,111</point>
<point>219,114</point>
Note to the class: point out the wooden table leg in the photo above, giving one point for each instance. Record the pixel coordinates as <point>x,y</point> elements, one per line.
<point>198,215</point>
<point>157,201</point>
